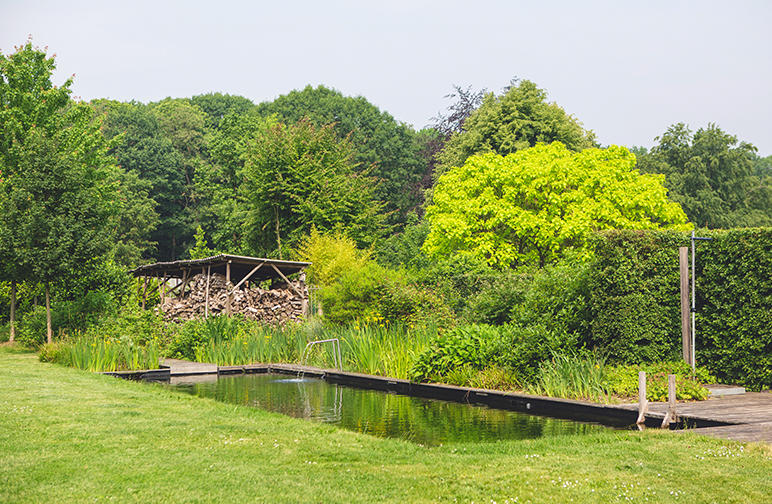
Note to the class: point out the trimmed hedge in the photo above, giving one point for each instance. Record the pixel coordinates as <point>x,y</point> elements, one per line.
<point>635,301</point>
<point>734,303</point>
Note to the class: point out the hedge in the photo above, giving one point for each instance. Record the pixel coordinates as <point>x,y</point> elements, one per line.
<point>635,301</point>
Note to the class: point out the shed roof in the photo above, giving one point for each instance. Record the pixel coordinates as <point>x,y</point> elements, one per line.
<point>241,266</point>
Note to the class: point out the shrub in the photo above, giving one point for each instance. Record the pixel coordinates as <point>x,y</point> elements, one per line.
<point>472,346</point>
<point>331,255</point>
<point>623,381</point>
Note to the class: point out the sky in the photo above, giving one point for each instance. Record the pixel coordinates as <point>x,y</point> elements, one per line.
<point>627,70</point>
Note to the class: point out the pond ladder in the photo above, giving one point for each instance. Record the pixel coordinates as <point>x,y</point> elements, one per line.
<point>337,361</point>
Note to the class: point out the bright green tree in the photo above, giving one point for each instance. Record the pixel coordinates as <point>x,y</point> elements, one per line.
<point>537,204</point>
<point>301,176</point>
<point>516,120</point>
<point>712,177</point>
<point>57,205</point>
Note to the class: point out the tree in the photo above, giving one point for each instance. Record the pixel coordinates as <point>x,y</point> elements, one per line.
<point>712,177</point>
<point>537,204</point>
<point>217,106</point>
<point>301,176</point>
<point>146,149</point>
<point>222,212</point>
<point>516,120</point>
<point>386,148</point>
<point>56,203</point>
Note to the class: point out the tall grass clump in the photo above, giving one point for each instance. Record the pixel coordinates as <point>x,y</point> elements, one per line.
<point>388,350</point>
<point>245,343</point>
<point>96,353</point>
<point>572,376</point>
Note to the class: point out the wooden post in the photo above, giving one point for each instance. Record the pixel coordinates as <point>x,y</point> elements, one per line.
<point>144,293</point>
<point>642,402</point>
<point>49,330</point>
<point>185,279</point>
<point>670,417</point>
<point>206,303</point>
<point>13,311</point>
<point>227,289</point>
<point>686,330</point>
<point>163,298</point>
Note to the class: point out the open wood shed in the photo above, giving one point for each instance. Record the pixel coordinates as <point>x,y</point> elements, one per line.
<point>228,284</point>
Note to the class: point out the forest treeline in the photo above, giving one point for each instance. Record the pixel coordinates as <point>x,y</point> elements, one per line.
<point>439,225</point>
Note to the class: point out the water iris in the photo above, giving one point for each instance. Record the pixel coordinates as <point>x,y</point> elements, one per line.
<point>424,421</point>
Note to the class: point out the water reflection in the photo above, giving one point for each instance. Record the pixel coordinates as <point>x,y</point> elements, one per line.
<point>425,421</point>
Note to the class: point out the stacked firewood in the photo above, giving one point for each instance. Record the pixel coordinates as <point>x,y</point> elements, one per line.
<point>274,306</point>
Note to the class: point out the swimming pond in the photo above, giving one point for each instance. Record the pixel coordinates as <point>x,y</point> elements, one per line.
<point>424,421</point>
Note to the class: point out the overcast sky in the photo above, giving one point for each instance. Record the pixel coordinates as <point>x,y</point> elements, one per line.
<point>627,70</point>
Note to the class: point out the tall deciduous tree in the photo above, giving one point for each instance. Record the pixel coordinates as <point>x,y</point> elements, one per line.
<point>56,205</point>
<point>387,148</point>
<point>532,206</point>
<point>518,119</point>
<point>712,177</point>
<point>147,150</point>
<point>301,176</point>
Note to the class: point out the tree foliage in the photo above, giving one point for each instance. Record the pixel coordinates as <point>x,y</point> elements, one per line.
<point>386,147</point>
<point>301,176</point>
<point>153,147</point>
<point>57,202</point>
<point>712,177</point>
<point>535,205</point>
<point>518,119</point>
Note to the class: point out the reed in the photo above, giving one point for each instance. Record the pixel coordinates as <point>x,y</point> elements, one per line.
<point>572,376</point>
<point>102,353</point>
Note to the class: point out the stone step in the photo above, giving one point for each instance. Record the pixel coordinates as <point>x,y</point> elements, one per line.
<point>717,390</point>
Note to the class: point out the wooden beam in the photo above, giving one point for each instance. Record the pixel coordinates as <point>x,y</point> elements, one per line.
<point>686,330</point>
<point>228,296</point>
<point>288,282</point>
<point>206,303</point>
<point>248,276</point>
<point>185,279</point>
<point>144,294</point>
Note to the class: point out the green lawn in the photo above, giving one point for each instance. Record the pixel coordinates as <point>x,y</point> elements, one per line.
<point>73,436</point>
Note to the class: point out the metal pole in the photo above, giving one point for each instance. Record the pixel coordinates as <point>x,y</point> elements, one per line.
<point>694,303</point>
<point>694,293</point>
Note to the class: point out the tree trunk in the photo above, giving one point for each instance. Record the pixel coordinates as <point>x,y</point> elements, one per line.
<point>49,331</point>
<point>13,311</point>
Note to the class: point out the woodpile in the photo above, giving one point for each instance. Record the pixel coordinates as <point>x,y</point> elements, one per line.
<point>274,306</point>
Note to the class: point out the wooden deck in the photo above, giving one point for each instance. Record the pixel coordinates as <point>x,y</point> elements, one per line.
<point>749,416</point>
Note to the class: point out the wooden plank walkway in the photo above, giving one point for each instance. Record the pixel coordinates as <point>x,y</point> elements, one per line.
<point>749,414</point>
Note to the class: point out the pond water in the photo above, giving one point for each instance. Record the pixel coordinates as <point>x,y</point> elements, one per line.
<point>424,421</point>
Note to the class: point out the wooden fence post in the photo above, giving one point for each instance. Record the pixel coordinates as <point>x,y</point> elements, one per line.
<point>670,417</point>
<point>642,402</point>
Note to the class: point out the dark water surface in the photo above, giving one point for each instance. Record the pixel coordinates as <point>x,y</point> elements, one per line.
<point>424,421</point>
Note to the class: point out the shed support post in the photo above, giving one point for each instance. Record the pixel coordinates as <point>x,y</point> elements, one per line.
<point>228,291</point>
<point>206,302</point>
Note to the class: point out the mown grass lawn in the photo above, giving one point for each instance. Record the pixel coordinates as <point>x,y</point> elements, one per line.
<point>74,436</point>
